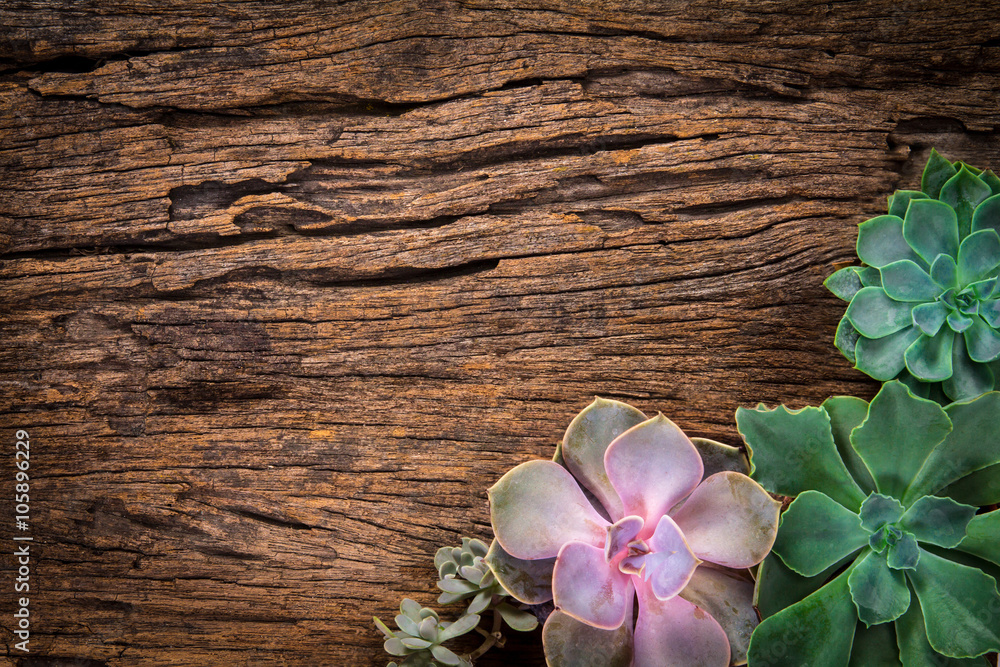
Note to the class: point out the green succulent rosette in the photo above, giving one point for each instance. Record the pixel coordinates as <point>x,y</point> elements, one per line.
<point>884,557</point>
<point>925,304</point>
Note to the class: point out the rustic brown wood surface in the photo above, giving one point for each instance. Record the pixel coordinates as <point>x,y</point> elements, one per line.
<point>286,286</point>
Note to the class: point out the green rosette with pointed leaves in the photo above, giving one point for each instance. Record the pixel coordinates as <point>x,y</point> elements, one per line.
<point>883,557</point>
<point>925,303</point>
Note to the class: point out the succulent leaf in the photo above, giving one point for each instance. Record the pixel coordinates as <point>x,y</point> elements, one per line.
<point>875,646</point>
<point>653,466</point>
<point>847,413</point>
<point>982,537</point>
<point>884,358</point>
<point>968,378</point>
<point>881,241</point>
<point>879,591</point>
<point>816,532</point>
<point>588,589</point>
<point>930,317</point>
<point>899,201</point>
<point>521,621</point>
<point>570,643</point>
<point>905,281</point>
<point>964,192</point>
<point>915,651</point>
<point>874,314</point>
<point>982,341</point>
<point>587,439</point>
<point>987,215</point>
<point>794,451</point>
<point>937,171</point>
<point>729,519</point>
<point>931,229</point>
<point>938,521</point>
<point>879,510</point>
<point>717,457</point>
<point>944,272</point>
<point>815,632</point>
<point>669,632</point>
<point>959,604</point>
<point>930,358</point>
<point>529,581</point>
<point>897,437</point>
<point>903,554</point>
<point>844,283</point>
<point>978,256</point>
<point>846,339</point>
<point>537,507</point>
<point>729,599</point>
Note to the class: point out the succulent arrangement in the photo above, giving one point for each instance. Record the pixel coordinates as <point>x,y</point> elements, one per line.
<point>882,551</point>
<point>641,547</point>
<point>628,510</point>
<point>925,304</point>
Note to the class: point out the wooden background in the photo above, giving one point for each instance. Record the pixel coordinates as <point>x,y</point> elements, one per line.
<point>286,285</point>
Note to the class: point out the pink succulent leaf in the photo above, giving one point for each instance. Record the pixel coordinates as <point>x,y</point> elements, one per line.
<point>585,442</point>
<point>670,563</point>
<point>730,520</point>
<point>677,633</point>
<point>570,643</point>
<point>728,597</point>
<point>652,466</point>
<point>537,507</point>
<point>620,534</point>
<point>589,589</point>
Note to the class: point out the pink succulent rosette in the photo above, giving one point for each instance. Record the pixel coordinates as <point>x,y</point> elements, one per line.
<point>631,508</point>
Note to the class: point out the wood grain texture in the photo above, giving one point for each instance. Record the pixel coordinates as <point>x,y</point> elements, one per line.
<point>287,286</point>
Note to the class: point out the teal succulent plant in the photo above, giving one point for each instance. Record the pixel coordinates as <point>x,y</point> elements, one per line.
<point>925,305</point>
<point>882,558</point>
<point>420,634</point>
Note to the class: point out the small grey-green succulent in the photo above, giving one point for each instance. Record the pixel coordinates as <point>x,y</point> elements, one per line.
<point>420,633</point>
<point>925,305</point>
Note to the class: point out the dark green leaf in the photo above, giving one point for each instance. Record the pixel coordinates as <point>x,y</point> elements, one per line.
<point>905,281</point>
<point>900,432</point>
<point>879,592</point>
<point>963,192</point>
<point>792,452</point>
<point>960,604</point>
<point>717,457</point>
<point>978,255</point>
<point>881,242</point>
<point>844,283</point>
<point>987,215</point>
<point>846,339</point>
<point>931,229</point>
<point>870,276</point>
<point>883,358</point>
<point>779,587</point>
<point>874,314</point>
<point>847,413</point>
<point>816,632</point>
<point>929,358</point>
<point>914,649</point>
<point>937,171</point>
<point>983,538</point>
<point>958,322</point>
<point>990,179</point>
<point>878,510</point>
<point>990,312</point>
<point>875,647</point>
<point>940,521</point>
<point>900,200</point>
<point>904,554</point>
<point>969,379</point>
<point>928,317</point>
<point>979,488</point>
<point>982,341</point>
<point>815,532</point>
<point>944,272</point>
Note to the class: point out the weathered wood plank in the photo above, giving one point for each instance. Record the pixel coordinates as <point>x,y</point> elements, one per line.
<point>286,287</point>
